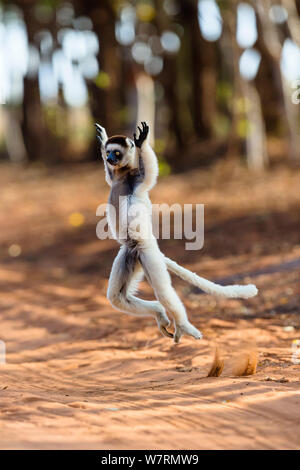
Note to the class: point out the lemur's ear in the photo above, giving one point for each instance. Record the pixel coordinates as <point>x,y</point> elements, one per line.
<point>130,142</point>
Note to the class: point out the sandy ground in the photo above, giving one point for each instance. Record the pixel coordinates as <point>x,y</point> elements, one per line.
<point>80,375</point>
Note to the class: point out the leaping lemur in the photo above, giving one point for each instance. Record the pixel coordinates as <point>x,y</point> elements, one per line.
<point>131,170</point>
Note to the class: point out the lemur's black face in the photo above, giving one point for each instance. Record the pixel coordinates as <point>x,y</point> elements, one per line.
<point>119,150</point>
<point>114,157</point>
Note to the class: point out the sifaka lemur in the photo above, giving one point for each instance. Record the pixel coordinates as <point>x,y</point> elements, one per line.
<point>131,170</point>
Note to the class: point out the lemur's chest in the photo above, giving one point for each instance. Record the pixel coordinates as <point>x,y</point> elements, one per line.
<point>119,201</point>
<point>123,187</point>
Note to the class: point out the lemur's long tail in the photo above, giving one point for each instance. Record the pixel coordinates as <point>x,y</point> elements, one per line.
<point>233,292</point>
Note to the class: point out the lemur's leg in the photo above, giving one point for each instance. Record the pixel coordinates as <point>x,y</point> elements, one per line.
<point>125,274</point>
<point>156,271</point>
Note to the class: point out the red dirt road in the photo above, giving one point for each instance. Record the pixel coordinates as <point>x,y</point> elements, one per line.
<point>80,375</point>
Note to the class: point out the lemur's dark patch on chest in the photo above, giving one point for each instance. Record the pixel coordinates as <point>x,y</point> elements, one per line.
<point>122,171</point>
<point>124,182</point>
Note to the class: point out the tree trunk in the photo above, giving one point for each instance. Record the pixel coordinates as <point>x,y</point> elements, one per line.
<point>33,124</point>
<point>256,142</point>
<point>169,78</point>
<point>202,71</point>
<point>146,103</point>
<point>271,43</point>
<point>231,53</point>
<point>104,93</point>
<point>256,147</point>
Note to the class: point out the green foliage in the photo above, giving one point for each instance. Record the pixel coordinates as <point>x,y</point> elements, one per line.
<point>164,167</point>
<point>221,125</point>
<point>242,105</point>
<point>125,115</point>
<point>53,4</point>
<point>243,128</point>
<point>224,5</point>
<point>55,117</point>
<point>102,80</point>
<point>224,92</point>
<point>159,146</point>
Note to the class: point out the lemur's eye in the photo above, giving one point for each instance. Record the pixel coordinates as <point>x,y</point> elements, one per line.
<point>117,153</point>
<point>107,153</point>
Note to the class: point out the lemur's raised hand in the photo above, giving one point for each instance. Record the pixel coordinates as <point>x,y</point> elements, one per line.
<point>143,135</point>
<point>131,170</point>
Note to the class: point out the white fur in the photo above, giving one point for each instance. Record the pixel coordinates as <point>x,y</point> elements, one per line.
<point>103,154</point>
<point>233,292</point>
<point>111,147</point>
<point>151,170</point>
<point>123,283</point>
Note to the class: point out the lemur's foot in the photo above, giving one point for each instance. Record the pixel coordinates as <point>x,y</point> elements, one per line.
<point>165,332</point>
<point>187,329</point>
<point>143,135</point>
<point>162,322</point>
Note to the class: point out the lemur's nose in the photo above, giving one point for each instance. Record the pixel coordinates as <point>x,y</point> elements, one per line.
<point>112,159</point>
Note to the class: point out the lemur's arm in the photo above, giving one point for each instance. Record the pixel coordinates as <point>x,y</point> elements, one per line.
<point>102,138</point>
<point>148,160</point>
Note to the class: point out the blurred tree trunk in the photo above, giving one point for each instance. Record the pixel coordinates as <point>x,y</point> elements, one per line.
<point>256,142</point>
<point>13,135</point>
<point>231,54</point>
<point>33,124</point>
<point>293,19</point>
<point>170,82</point>
<point>104,91</point>
<point>202,71</point>
<point>269,84</point>
<point>146,103</point>
<point>169,79</point>
<point>255,135</point>
<point>189,79</point>
<point>269,38</point>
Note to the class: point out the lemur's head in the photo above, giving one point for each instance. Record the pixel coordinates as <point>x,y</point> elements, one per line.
<point>120,151</point>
